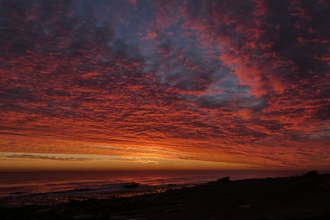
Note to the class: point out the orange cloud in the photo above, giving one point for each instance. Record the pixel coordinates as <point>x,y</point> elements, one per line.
<point>210,81</point>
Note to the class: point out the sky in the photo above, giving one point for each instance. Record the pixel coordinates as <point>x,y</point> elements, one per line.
<point>143,84</point>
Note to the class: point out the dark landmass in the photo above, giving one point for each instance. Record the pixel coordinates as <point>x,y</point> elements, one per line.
<point>131,185</point>
<point>293,198</point>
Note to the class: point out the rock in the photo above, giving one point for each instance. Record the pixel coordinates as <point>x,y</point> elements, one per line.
<point>175,210</point>
<point>140,218</point>
<point>310,174</point>
<point>118,217</point>
<point>87,216</point>
<point>18,193</point>
<point>41,212</point>
<point>225,179</point>
<point>74,203</point>
<point>95,208</point>
<point>131,185</point>
<point>244,206</point>
<point>136,216</point>
<point>66,211</point>
<point>58,213</point>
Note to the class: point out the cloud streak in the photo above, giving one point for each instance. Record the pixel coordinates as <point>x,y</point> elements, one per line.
<point>44,157</point>
<point>75,157</point>
<point>211,80</point>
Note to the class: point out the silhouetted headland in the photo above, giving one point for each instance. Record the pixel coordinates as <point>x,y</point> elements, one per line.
<point>305,197</point>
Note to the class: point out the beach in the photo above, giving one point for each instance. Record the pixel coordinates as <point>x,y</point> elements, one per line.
<point>297,197</point>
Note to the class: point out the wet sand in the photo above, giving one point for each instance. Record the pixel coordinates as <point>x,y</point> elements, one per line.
<point>306,197</point>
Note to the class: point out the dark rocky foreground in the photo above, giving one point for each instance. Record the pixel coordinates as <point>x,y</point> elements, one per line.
<point>306,198</point>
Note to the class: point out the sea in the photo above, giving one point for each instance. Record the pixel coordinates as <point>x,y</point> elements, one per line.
<point>29,188</point>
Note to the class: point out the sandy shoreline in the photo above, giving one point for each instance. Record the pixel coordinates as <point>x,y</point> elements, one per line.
<point>305,197</point>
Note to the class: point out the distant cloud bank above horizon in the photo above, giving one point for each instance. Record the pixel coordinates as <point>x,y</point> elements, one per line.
<point>243,82</point>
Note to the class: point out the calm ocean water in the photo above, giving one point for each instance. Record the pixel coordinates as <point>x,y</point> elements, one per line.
<point>27,183</point>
